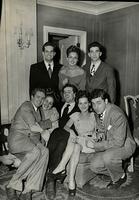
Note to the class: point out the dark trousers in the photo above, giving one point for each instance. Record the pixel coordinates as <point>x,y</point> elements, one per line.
<point>57,144</point>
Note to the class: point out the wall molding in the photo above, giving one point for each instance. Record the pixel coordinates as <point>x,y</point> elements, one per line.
<point>87,7</point>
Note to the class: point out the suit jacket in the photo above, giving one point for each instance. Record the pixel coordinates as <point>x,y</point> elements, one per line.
<point>20,138</point>
<point>117,131</point>
<point>103,79</point>
<point>64,120</point>
<point>39,77</point>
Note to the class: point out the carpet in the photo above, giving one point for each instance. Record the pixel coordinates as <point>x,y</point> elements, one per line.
<point>93,190</point>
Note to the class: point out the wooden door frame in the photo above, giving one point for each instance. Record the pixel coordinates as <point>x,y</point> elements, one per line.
<point>81,34</point>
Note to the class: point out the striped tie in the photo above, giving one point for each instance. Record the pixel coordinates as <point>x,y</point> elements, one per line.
<point>49,71</point>
<point>92,71</point>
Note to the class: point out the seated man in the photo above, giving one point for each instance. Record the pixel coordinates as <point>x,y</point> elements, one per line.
<point>59,137</point>
<point>24,143</point>
<point>116,143</point>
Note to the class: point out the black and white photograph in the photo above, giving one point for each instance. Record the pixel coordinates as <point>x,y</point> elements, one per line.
<point>69,100</point>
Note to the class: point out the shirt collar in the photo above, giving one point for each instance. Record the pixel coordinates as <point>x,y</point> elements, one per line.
<point>96,65</point>
<point>71,106</point>
<point>47,64</point>
<point>103,114</point>
<point>35,108</point>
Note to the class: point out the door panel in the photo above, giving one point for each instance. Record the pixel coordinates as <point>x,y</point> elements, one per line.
<point>64,44</point>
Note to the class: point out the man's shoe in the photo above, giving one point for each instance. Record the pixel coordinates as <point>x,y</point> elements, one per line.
<point>50,189</point>
<point>117,184</point>
<point>11,193</point>
<point>26,196</point>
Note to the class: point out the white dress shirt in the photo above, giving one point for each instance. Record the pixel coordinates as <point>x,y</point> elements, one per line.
<point>95,66</point>
<point>48,65</point>
<point>71,106</point>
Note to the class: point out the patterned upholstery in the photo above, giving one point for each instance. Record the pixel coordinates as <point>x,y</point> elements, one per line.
<point>83,172</point>
<point>132,111</point>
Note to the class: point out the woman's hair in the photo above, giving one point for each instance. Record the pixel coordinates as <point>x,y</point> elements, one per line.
<point>82,93</point>
<point>50,93</point>
<point>73,48</point>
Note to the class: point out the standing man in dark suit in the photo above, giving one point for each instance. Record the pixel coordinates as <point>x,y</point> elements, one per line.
<point>24,143</point>
<point>45,74</point>
<point>98,73</point>
<point>59,137</point>
<point>117,143</point>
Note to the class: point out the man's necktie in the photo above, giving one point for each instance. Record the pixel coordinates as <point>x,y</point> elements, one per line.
<point>101,116</point>
<point>92,71</point>
<point>65,111</point>
<point>49,71</point>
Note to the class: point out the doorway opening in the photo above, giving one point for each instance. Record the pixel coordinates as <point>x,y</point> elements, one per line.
<point>63,38</point>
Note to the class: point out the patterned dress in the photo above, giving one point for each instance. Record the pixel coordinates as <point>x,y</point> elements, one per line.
<point>76,77</point>
<point>85,129</point>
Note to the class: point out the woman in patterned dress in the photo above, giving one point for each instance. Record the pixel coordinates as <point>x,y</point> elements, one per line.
<point>72,73</point>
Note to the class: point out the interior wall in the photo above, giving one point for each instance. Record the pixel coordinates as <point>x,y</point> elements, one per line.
<point>119,33</point>
<point>62,18</point>
<point>17,19</point>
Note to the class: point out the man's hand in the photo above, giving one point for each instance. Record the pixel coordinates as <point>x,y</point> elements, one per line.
<point>90,144</point>
<point>6,160</point>
<point>10,160</point>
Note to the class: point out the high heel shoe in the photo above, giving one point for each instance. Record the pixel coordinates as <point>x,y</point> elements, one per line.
<point>72,192</point>
<point>58,176</point>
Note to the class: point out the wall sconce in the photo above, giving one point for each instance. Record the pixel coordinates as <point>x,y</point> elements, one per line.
<point>24,39</point>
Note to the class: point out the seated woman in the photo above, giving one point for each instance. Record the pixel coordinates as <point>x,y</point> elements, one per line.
<point>72,73</point>
<point>50,115</point>
<point>85,124</point>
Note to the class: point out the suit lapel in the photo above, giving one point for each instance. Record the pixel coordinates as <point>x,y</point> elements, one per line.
<point>106,117</point>
<point>75,109</point>
<point>35,113</point>
<point>44,70</point>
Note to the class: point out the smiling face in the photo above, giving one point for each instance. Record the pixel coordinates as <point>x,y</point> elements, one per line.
<point>95,54</point>
<point>68,94</point>
<point>48,54</point>
<point>48,103</point>
<point>72,58</point>
<point>83,104</point>
<point>38,98</point>
<point>99,104</point>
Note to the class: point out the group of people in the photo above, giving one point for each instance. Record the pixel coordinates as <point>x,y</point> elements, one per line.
<point>51,75</point>
<point>71,110</point>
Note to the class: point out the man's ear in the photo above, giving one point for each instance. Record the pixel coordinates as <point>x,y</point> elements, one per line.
<point>89,54</point>
<point>100,53</point>
<point>54,53</point>
<point>31,97</point>
<point>106,101</point>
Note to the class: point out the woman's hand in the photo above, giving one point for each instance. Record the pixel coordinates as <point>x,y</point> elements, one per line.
<point>65,81</point>
<point>90,144</point>
<point>73,136</point>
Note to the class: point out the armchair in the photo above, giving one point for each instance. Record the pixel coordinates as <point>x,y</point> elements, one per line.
<point>132,111</point>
